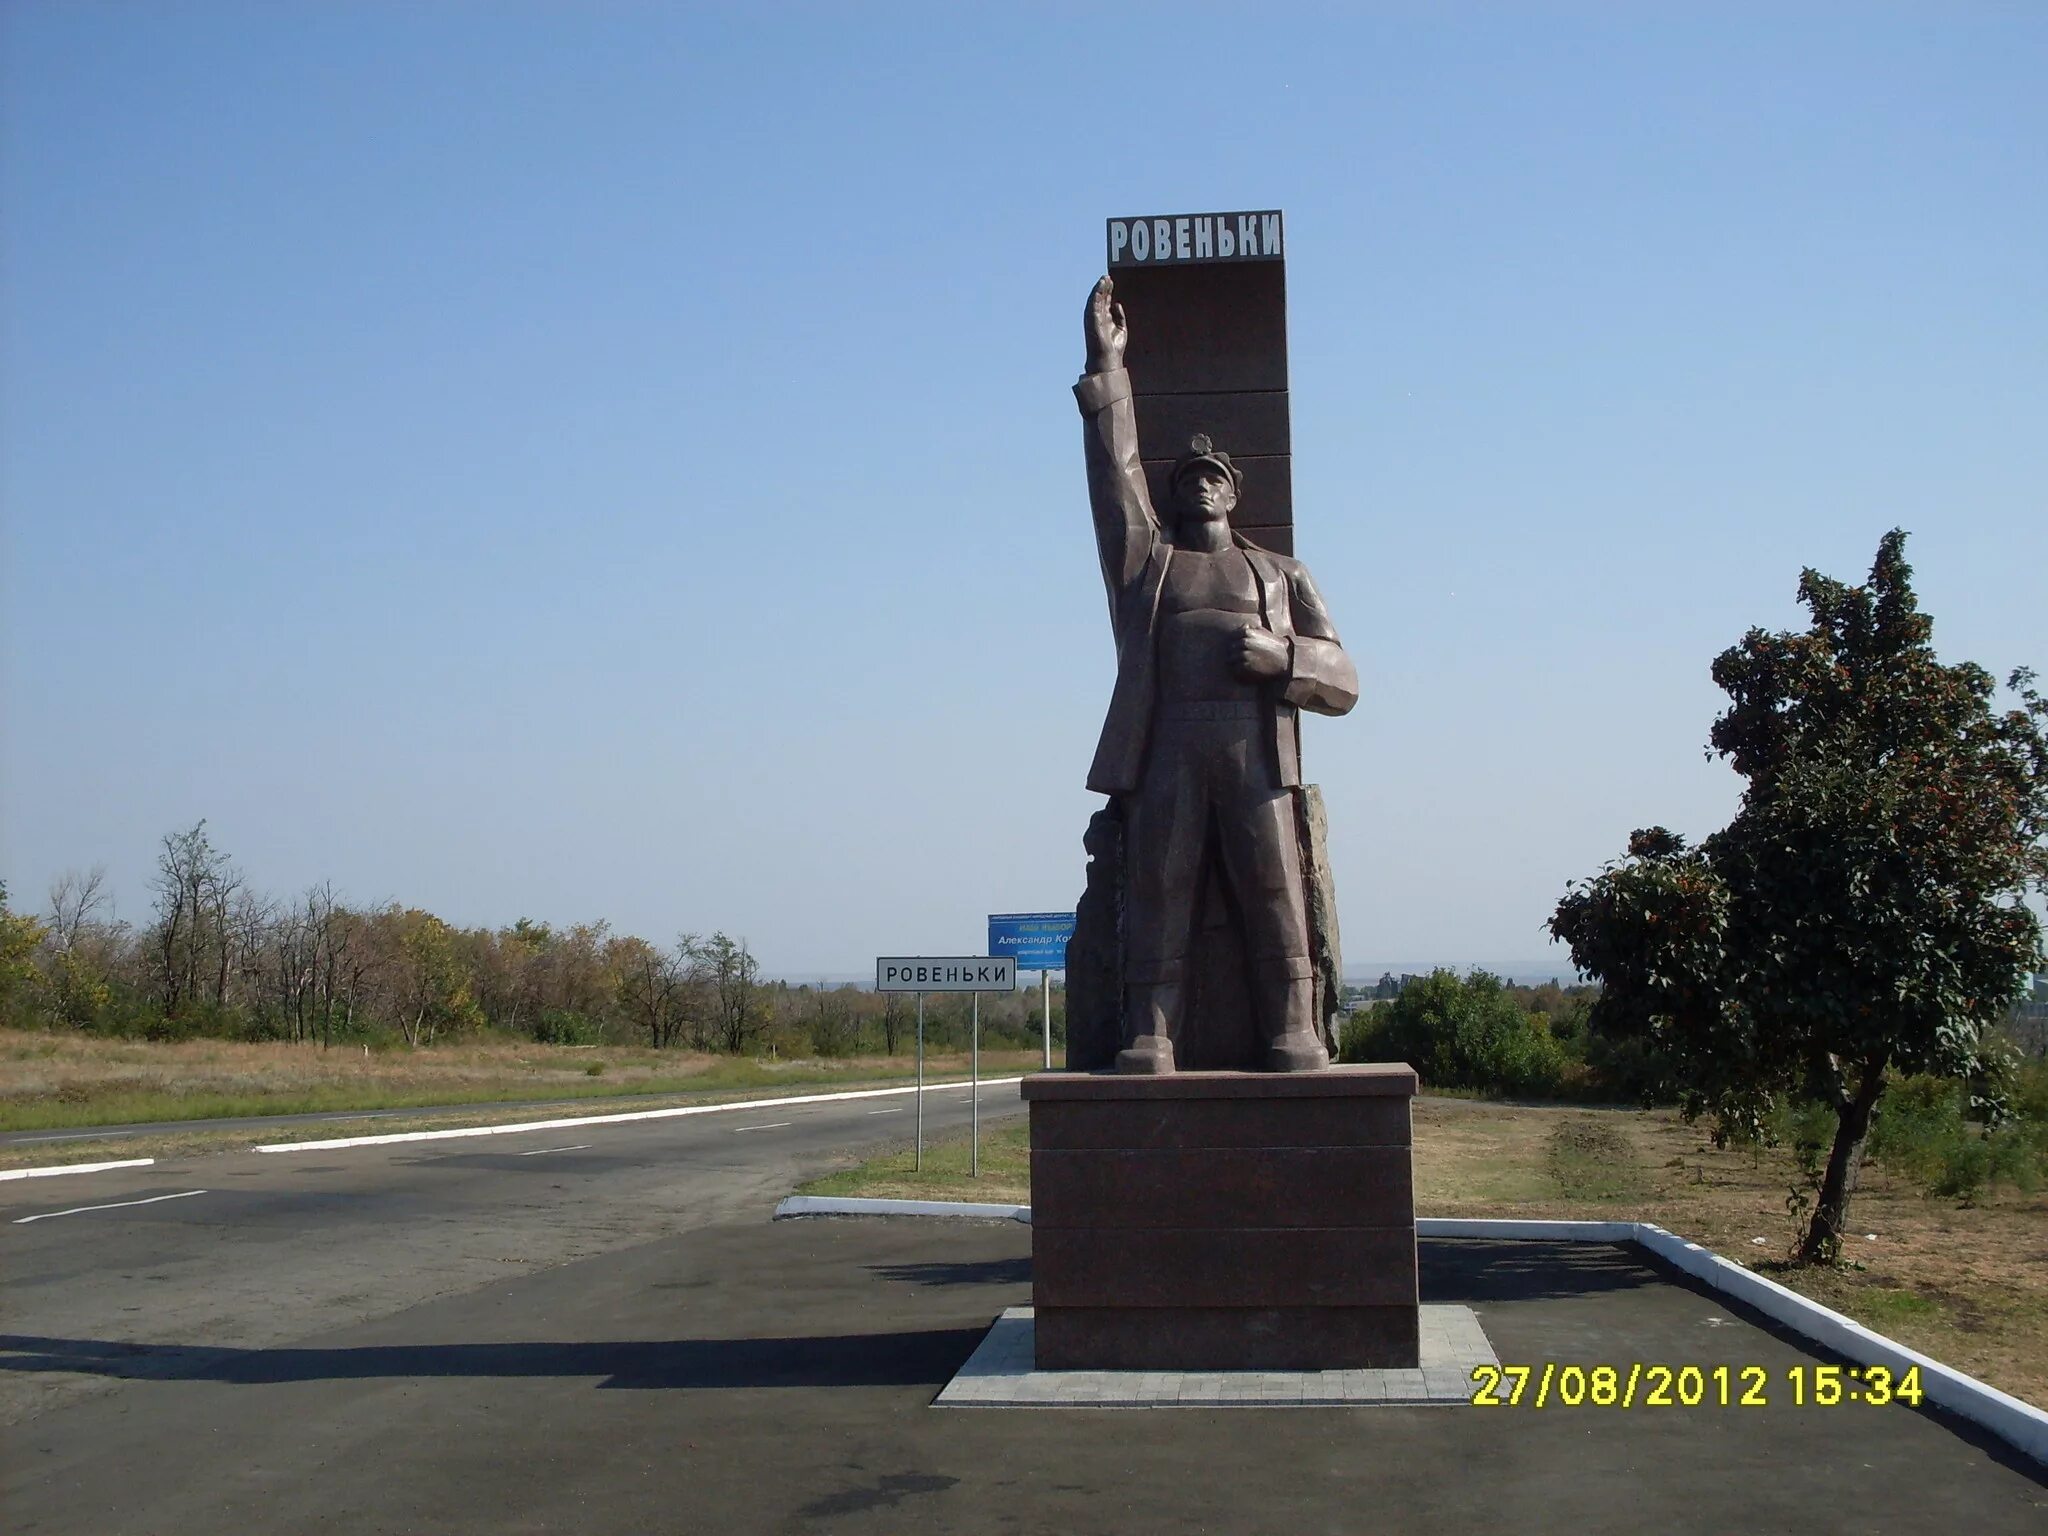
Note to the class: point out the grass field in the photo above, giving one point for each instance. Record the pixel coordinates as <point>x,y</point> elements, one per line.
<point>1968,1284</point>
<point>51,1082</point>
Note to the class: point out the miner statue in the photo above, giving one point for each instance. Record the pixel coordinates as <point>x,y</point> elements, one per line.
<point>1219,644</point>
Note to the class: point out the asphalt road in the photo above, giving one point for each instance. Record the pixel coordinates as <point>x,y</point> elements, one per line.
<point>600,1331</point>
<point>282,1245</point>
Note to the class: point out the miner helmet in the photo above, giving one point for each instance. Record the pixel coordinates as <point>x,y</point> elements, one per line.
<point>1202,451</point>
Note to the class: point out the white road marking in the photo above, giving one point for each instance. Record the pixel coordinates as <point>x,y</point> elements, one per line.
<point>79,1210</point>
<point>46,1173</point>
<point>339,1142</point>
<point>22,1141</point>
<point>537,1151</point>
<point>896,1111</point>
<point>773,1125</point>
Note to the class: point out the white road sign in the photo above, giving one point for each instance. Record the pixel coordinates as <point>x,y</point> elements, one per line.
<point>946,973</point>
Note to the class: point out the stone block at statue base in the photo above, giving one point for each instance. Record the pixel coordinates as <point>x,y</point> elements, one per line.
<point>1223,1221</point>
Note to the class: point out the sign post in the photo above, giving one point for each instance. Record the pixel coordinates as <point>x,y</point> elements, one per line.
<point>1037,941</point>
<point>947,973</point>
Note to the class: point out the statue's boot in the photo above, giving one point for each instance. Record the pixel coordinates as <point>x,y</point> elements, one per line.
<point>1146,1056</point>
<point>1291,1000</point>
<point>1150,1009</point>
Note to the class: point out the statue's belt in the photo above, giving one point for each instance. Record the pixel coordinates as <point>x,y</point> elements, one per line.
<point>1213,709</point>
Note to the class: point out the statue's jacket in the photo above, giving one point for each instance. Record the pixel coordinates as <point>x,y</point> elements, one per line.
<point>1135,556</point>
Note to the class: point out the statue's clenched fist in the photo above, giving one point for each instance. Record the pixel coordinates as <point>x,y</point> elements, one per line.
<point>1261,654</point>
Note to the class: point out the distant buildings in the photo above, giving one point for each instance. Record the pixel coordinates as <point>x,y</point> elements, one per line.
<point>1386,988</point>
<point>2028,1026</point>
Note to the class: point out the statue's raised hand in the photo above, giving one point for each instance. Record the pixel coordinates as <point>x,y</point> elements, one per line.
<point>1105,328</point>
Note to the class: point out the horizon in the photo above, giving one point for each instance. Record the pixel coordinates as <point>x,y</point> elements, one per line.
<point>1525,973</point>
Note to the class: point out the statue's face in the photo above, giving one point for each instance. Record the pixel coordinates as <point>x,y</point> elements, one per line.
<point>1206,493</point>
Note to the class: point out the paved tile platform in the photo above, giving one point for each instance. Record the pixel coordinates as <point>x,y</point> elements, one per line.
<point>1000,1374</point>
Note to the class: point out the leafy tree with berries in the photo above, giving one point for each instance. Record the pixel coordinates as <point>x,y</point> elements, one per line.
<point>1865,910</point>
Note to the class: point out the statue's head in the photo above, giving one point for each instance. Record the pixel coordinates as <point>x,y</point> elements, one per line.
<point>1205,483</point>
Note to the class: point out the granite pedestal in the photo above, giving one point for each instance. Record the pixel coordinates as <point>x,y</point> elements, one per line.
<point>1223,1221</point>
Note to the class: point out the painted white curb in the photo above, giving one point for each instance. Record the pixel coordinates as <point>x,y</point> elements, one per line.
<point>826,1205</point>
<point>52,1172</point>
<point>339,1142</point>
<point>1533,1231</point>
<point>2020,1425</point>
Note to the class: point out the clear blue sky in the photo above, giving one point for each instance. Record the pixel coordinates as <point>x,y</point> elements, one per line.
<point>617,461</point>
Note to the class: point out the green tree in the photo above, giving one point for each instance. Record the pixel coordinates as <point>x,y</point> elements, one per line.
<point>196,885</point>
<point>20,937</point>
<point>657,988</point>
<point>1864,912</point>
<point>514,979</point>
<point>734,979</point>
<point>896,1014</point>
<point>76,945</point>
<point>437,992</point>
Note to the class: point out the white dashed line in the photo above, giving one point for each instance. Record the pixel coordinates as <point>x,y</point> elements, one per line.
<point>772,1126</point>
<point>897,1111</point>
<point>581,1146</point>
<point>79,1210</point>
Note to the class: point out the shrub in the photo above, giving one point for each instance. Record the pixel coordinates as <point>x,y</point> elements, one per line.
<point>1965,1168</point>
<point>836,1033</point>
<point>2017,1154</point>
<point>1918,1130</point>
<point>1359,1037</point>
<point>1459,1034</point>
<point>1924,1132</point>
<point>2027,1090</point>
<point>1629,1067</point>
<point>558,1026</point>
<point>188,1024</point>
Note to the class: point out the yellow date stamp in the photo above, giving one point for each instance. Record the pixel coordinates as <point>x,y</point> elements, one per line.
<point>1644,1384</point>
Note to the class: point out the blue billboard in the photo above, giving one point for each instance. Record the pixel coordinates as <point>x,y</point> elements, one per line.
<point>1038,940</point>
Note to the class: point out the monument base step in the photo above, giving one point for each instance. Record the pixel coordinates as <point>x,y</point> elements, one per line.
<point>1003,1373</point>
<point>1224,1220</point>
<point>1227,1338</point>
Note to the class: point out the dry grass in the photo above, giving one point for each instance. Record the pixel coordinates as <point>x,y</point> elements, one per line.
<point>893,1175</point>
<point>1967,1284</point>
<point>60,1082</point>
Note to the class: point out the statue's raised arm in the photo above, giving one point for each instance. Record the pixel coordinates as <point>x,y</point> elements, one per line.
<point>1125,524</point>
